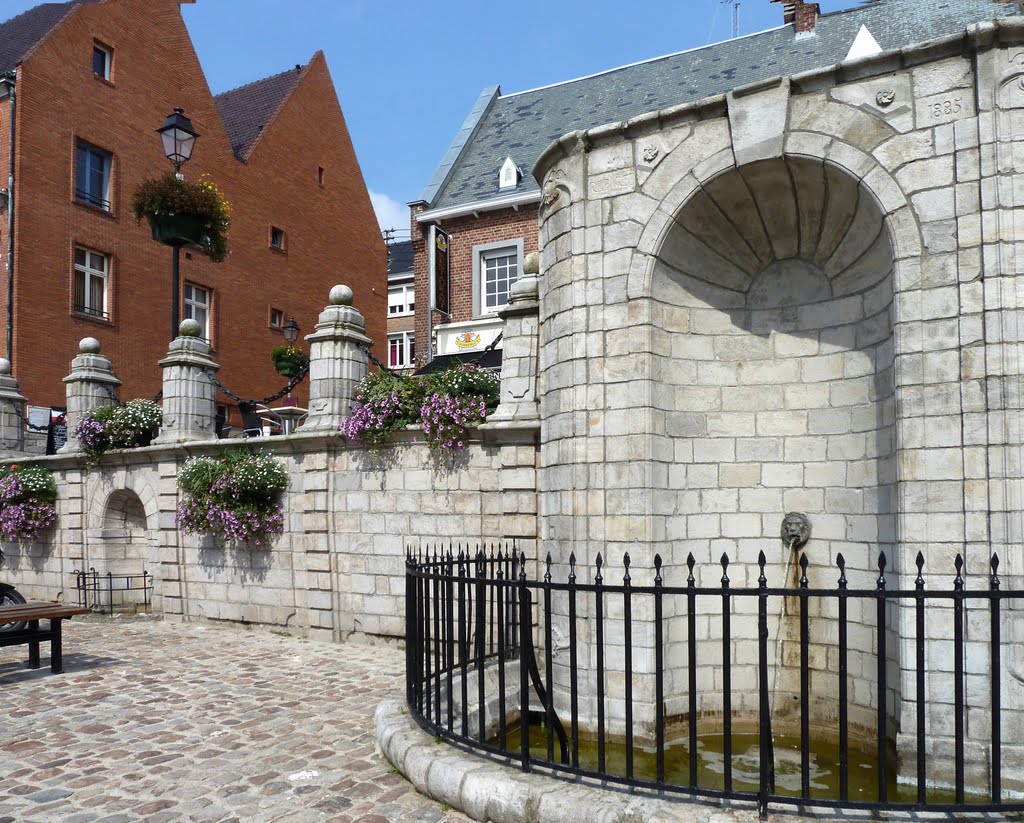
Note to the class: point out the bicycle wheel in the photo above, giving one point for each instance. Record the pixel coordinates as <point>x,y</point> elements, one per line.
<point>9,596</point>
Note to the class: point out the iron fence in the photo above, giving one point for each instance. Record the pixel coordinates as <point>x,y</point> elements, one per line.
<point>473,616</point>
<point>97,592</point>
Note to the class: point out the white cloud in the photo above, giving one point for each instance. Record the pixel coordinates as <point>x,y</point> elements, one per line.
<point>390,213</point>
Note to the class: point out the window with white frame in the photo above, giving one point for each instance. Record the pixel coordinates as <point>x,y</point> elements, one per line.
<point>102,59</point>
<point>401,350</point>
<point>92,270</point>
<point>401,300</point>
<point>197,307</point>
<point>495,268</point>
<point>92,175</point>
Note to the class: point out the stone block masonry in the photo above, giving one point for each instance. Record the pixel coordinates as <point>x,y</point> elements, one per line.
<point>817,310</point>
<point>339,569</point>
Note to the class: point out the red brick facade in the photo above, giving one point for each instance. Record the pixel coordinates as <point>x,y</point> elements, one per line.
<point>331,233</point>
<point>465,233</point>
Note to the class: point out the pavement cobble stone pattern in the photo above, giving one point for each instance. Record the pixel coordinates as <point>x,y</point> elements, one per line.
<point>160,722</point>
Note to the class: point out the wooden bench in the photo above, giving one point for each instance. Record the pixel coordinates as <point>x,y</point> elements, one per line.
<point>31,613</point>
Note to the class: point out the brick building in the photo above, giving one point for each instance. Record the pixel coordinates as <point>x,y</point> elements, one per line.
<point>87,84</point>
<point>483,194</point>
<point>401,306</point>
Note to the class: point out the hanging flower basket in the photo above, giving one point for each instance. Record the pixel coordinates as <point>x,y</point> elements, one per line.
<point>288,360</point>
<point>176,229</point>
<point>183,213</point>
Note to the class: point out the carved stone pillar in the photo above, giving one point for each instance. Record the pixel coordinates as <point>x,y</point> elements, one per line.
<point>336,361</point>
<point>189,394</point>
<point>12,412</point>
<point>519,343</point>
<point>90,386</point>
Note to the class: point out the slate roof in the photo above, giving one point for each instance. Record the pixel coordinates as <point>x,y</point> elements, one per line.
<point>522,125</point>
<point>399,257</point>
<point>247,110</point>
<point>19,34</point>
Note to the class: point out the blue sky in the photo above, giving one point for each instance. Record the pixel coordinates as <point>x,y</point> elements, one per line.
<point>407,73</point>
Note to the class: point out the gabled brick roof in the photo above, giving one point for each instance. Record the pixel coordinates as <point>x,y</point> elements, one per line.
<point>248,110</point>
<point>20,34</point>
<point>522,125</point>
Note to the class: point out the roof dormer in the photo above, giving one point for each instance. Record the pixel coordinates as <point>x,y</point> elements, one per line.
<point>510,175</point>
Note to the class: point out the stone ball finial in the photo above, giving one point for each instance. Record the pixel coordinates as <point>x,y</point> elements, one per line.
<point>531,263</point>
<point>190,328</point>
<point>342,296</point>
<point>89,345</point>
<point>5,365</point>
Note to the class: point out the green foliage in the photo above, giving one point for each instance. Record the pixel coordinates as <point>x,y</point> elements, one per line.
<point>236,496</point>
<point>465,381</point>
<point>35,481</point>
<point>289,354</point>
<point>168,195</point>
<point>257,476</point>
<point>124,426</point>
<point>446,403</point>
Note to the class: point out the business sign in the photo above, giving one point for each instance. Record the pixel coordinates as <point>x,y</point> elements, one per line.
<point>467,339</point>
<point>471,336</point>
<point>440,271</point>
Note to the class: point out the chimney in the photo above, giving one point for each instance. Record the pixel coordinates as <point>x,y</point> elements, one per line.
<point>806,17</point>
<point>803,14</point>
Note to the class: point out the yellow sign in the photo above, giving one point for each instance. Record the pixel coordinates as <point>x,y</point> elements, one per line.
<point>467,340</point>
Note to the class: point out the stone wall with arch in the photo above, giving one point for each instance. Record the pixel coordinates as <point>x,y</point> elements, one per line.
<point>799,296</point>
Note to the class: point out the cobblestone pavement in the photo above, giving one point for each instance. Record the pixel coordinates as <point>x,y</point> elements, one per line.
<point>162,721</point>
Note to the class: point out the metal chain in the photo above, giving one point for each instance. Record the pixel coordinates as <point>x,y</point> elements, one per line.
<point>372,359</point>
<point>112,394</point>
<point>286,390</point>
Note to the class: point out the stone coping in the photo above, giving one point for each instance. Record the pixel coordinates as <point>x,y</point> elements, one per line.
<point>487,790</point>
<point>498,433</point>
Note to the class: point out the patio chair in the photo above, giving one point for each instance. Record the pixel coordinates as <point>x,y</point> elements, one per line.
<point>252,423</point>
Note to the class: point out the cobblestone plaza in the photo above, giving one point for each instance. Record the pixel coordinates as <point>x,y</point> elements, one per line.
<point>160,721</point>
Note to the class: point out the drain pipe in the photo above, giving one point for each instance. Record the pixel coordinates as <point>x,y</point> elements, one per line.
<point>9,79</point>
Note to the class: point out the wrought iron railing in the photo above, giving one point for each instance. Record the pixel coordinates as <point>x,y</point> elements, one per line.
<point>472,618</point>
<point>109,593</point>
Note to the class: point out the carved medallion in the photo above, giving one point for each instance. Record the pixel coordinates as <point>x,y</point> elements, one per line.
<point>885,97</point>
<point>650,154</point>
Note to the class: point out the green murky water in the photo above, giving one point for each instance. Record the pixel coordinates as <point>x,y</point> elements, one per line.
<point>823,771</point>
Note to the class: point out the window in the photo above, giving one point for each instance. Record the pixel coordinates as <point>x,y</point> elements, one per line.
<point>102,58</point>
<point>401,350</point>
<point>320,175</point>
<point>197,307</point>
<point>276,238</point>
<point>276,318</point>
<point>92,176</point>
<point>401,300</point>
<point>495,268</point>
<point>91,272</point>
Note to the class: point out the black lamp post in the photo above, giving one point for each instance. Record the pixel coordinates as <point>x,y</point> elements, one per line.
<point>179,139</point>
<point>290,330</point>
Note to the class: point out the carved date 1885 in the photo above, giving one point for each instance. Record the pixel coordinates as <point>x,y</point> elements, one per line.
<point>945,108</point>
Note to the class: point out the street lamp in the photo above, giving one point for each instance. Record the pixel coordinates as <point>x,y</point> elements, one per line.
<point>290,330</point>
<point>179,139</point>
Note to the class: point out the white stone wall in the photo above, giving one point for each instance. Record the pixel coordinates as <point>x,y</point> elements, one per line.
<point>800,296</point>
<point>339,569</point>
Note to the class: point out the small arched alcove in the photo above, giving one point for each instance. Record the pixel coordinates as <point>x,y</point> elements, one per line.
<point>121,555</point>
<point>779,395</point>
